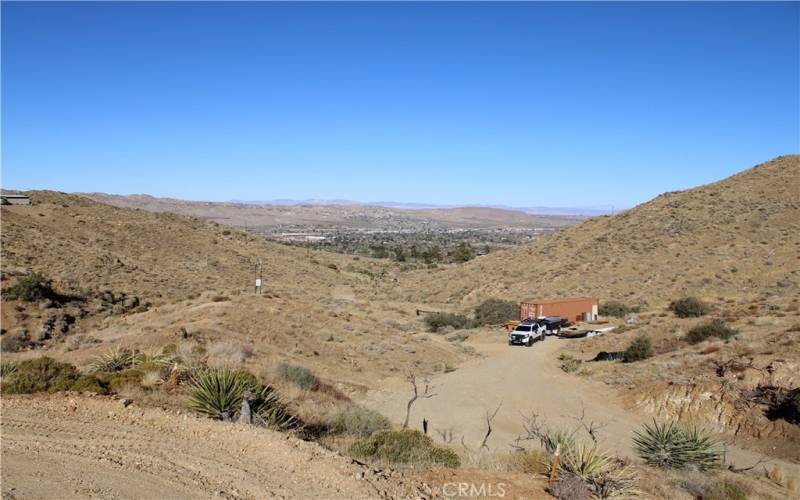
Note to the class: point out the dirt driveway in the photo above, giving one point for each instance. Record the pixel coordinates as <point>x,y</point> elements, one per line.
<point>521,380</point>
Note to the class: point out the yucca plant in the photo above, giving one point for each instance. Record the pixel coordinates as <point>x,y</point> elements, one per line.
<point>670,445</point>
<point>606,476</point>
<point>218,393</point>
<point>114,360</point>
<point>7,368</point>
<point>564,439</point>
<point>271,411</point>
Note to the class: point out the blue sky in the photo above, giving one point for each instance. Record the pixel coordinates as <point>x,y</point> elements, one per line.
<point>524,104</point>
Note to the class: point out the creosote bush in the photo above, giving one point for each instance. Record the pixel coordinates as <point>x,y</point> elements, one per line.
<point>689,307</point>
<point>714,328</point>
<point>406,447</point>
<point>48,375</point>
<point>438,321</point>
<point>639,349</point>
<point>357,421</point>
<point>298,375</point>
<point>495,312</point>
<point>616,309</point>
<point>31,288</point>
<point>670,445</point>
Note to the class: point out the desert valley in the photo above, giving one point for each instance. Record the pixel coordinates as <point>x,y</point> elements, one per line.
<point>139,360</point>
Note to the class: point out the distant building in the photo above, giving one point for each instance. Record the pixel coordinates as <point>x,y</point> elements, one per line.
<point>573,309</point>
<point>15,199</point>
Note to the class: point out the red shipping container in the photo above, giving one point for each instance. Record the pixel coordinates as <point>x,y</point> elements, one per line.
<point>574,309</point>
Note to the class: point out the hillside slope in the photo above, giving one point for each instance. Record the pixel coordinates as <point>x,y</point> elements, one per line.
<point>198,277</point>
<point>739,236</point>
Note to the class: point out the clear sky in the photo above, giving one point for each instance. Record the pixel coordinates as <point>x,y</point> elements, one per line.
<point>524,104</point>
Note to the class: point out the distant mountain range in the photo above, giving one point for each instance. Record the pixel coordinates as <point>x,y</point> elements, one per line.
<point>590,211</point>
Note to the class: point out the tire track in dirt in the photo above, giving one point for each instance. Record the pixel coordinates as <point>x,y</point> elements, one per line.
<point>69,446</point>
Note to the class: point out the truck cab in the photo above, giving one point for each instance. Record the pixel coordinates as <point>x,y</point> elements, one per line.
<point>527,332</point>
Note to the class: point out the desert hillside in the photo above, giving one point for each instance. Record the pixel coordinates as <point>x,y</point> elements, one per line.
<point>736,237</point>
<point>142,279</point>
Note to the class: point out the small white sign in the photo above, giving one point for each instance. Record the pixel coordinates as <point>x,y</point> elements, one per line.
<point>258,282</point>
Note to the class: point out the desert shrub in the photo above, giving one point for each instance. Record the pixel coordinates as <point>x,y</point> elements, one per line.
<point>406,447</point>
<point>570,365</point>
<point>714,328</point>
<point>533,461</point>
<point>438,321</point>
<point>31,288</point>
<point>40,375</point>
<point>616,309</point>
<point>357,421</point>
<point>570,487</point>
<point>669,445</point>
<point>219,393</point>
<point>462,253</point>
<point>90,383</point>
<point>298,375</point>
<point>495,311</point>
<point>639,349</point>
<point>119,379</point>
<point>689,307</point>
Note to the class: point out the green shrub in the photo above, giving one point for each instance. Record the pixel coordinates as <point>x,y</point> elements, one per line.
<point>219,393</point>
<point>639,349</point>
<point>616,309</point>
<point>31,288</point>
<point>438,321</point>
<point>405,447</point>
<point>714,328</point>
<point>117,380</point>
<point>669,445</point>
<point>298,375</point>
<point>40,375</point>
<point>90,383</point>
<point>357,421</point>
<point>495,312</point>
<point>689,307</point>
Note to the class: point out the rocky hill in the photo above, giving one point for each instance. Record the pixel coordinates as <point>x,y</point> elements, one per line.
<point>736,237</point>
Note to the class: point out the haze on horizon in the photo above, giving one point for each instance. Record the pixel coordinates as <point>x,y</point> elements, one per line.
<point>515,104</point>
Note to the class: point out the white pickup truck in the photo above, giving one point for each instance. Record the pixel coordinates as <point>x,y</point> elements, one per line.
<point>527,333</point>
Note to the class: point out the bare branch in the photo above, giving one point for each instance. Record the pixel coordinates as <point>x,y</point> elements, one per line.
<point>427,393</point>
<point>592,427</point>
<point>489,419</point>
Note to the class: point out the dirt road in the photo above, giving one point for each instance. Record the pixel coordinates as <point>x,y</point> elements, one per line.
<point>67,446</point>
<point>520,380</point>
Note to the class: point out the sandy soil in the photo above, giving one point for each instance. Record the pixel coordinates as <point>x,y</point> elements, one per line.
<point>521,380</point>
<point>70,446</point>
